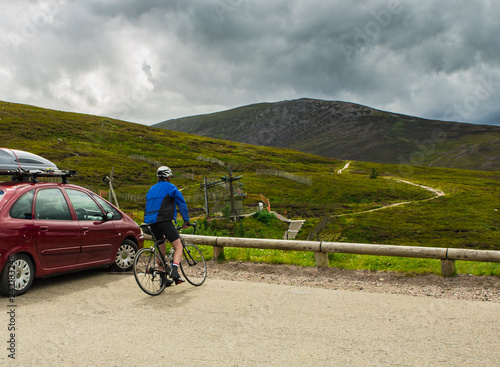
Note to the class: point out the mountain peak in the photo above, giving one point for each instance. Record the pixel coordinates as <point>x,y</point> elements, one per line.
<point>347,130</point>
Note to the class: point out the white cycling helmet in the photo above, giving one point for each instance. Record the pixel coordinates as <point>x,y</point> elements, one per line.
<point>164,172</point>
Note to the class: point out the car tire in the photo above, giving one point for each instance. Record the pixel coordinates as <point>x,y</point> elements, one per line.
<point>125,255</point>
<point>22,270</point>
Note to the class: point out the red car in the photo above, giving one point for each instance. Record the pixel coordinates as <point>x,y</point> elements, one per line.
<point>55,228</point>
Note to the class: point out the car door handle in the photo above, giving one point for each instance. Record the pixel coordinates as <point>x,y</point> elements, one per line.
<point>85,229</point>
<point>44,228</point>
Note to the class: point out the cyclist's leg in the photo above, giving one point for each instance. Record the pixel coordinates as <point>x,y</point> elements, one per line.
<point>163,248</point>
<point>173,237</point>
<point>177,245</point>
<point>159,230</point>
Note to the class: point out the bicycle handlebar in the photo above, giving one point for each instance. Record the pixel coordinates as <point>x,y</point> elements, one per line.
<point>194,225</point>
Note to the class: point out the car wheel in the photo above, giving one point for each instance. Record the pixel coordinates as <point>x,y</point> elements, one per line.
<point>17,275</point>
<point>125,256</point>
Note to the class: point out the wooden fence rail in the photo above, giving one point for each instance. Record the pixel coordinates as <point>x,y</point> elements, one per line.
<point>448,256</point>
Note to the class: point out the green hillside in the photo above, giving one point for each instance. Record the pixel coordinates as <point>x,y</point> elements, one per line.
<point>467,216</point>
<point>351,131</point>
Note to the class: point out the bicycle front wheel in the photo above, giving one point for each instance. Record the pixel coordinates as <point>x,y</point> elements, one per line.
<point>149,271</point>
<point>193,265</point>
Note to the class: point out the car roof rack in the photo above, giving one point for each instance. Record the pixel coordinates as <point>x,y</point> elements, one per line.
<point>32,175</point>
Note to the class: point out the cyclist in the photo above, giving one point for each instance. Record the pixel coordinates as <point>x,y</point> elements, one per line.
<point>162,201</point>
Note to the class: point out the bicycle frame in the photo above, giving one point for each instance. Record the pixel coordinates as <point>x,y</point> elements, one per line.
<point>156,245</point>
<point>152,276</point>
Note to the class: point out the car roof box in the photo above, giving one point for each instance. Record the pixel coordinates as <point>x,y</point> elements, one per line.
<point>23,165</point>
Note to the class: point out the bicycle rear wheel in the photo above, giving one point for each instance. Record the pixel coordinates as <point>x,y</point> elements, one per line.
<point>193,265</point>
<point>149,271</point>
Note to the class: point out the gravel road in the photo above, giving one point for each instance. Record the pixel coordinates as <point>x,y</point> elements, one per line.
<point>462,286</point>
<point>257,315</point>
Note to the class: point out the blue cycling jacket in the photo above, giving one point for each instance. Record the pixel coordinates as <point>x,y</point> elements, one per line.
<point>162,201</point>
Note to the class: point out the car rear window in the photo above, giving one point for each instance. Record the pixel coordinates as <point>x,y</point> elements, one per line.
<point>51,205</point>
<point>23,206</point>
<point>1,195</point>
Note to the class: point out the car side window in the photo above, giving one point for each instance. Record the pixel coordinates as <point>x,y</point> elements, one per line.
<point>108,208</point>
<point>85,207</point>
<point>22,208</point>
<point>51,205</point>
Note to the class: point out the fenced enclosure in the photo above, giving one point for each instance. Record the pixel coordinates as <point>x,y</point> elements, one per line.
<point>287,175</point>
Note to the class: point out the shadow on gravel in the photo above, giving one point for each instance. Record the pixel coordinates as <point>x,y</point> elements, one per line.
<point>65,284</point>
<point>179,296</point>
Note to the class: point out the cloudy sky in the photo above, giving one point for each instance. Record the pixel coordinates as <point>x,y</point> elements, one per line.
<point>147,61</point>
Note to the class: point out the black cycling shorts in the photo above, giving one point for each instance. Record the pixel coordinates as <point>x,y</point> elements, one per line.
<point>162,230</point>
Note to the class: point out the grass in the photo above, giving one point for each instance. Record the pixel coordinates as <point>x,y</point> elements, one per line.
<point>467,217</point>
<point>319,130</point>
<point>299,258</point>
<point>341,261</point>
<point>410,266</point>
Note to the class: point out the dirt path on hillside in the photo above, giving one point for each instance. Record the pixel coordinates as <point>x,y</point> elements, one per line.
<point>437,193</point>
<point>345,167</point>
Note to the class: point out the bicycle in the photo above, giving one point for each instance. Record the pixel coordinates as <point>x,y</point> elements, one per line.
<point>152,269</point>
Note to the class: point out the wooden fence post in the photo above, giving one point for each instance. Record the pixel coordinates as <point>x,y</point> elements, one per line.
<point>448,268</point>
<point>321,259</point>
<point>218,252</point>
<point>447,256</point>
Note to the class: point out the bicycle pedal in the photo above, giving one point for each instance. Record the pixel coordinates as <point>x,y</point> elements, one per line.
<point>179,281</point>
<point>168,282</point>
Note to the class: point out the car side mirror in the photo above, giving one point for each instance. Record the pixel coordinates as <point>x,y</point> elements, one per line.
<point>109,216</point>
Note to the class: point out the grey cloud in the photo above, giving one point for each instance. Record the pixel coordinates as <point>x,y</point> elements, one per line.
<point>129,59</point>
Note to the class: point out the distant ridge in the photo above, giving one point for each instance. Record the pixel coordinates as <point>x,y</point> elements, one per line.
<point>351,131</point>
<point>303,185</point>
